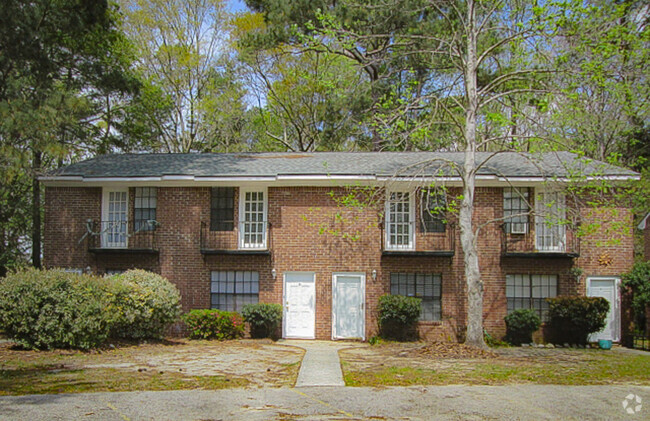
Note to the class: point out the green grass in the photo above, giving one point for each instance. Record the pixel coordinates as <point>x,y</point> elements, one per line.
<point>606,368</point>
<point>49,379</point>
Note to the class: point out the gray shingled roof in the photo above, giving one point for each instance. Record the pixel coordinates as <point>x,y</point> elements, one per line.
<point>507,164</point>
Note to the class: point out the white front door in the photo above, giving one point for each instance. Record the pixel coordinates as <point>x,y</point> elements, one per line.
<point>348,300</point>
<point>114,219</point>
<point>299,305</point>
<point>608,289</point>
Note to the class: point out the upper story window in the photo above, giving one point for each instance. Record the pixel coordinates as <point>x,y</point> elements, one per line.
<point>550,219</point>
<point>433,205</point>
<point>114,218</point>
<point>144,208</point>
<point>399,221</point>
<point>252,219</point>
<point>222,209</point>
<point>515,210</point>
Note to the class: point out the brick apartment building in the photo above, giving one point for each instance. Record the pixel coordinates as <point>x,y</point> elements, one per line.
<point>326,234</point>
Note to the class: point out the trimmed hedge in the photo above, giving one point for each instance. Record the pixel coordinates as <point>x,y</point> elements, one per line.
<point>45,309</point>
<point>145,304</point>
<point>214,324</point>
<point>520,326</point>
<point>398,316</point>
<point>573,319</point>
<point>55,309</point>
<point>264,319</point>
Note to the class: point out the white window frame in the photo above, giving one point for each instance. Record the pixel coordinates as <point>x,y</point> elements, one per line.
<point>104,226</point>
<point>242,244</point>
<point>556,232</point>
<point>411,224</point>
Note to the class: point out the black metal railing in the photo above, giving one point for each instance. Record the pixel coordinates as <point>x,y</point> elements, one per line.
<point>122,235</point>
<point>245,236</point>
<point>411,237</point>
<point>561,240</point>
<point>641,342</point>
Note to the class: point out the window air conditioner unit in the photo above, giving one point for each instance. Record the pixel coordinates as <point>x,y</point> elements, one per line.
<point>518,228</point>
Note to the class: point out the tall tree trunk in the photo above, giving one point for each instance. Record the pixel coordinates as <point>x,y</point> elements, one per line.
<point>36,210</point>
<point>467,235</point>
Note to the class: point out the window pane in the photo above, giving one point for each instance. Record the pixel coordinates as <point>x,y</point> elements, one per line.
<point>231,290</point>
<point>425,286</point>
<point>222,209</point>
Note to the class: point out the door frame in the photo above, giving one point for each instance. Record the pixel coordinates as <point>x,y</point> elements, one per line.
<point>362,282</point>
<point>617,300</point>
<point>104,215</point>
<point>284,303</point>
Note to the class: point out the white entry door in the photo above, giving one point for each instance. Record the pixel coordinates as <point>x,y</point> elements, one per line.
<point>608,289</point>
<point>348,311</point>
<point>299,305</point>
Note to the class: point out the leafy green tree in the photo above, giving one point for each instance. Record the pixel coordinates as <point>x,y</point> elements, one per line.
<point>193,102</point>
<point>58,60</point>
<point>307,99</point>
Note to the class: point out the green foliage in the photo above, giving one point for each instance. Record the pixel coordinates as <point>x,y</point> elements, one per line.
<point>55,309</point>
<point>214,324</point>
<point>520,326</point>
<point>398,316</point>
<point>637,281</point>
<point>144,305</point>
<point>264,319</point>
<point>573,319</point>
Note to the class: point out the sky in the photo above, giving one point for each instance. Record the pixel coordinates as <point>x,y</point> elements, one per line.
<point>236,5</point>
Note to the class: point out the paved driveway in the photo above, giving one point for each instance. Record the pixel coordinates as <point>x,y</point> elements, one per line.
<point>523,402</point>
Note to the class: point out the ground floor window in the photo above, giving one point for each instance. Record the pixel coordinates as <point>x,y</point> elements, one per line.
<point>428,287</point>
<point>530,292</point>
<point>231,290</point>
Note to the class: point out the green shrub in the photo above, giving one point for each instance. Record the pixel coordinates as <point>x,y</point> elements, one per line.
<point>520,326</point>
<point>144,305</point>
<point>637,281</point>
<point>264,319</point>
<point>573,319</point>
<point>55,309</point>
<point>214,324</point>
<point>398,316</point>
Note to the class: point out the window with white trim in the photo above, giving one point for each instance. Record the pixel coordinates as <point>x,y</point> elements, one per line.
<point>231,290</point>
<point>252,224</point>
<point>525,291</point>
<point>426,286</point>
<point>515,210</point>
<point>399,221</point>
<point>144,208</point>
<point>550,218</point>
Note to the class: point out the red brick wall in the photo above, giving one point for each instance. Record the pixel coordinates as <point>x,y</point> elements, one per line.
<point>311,232</point>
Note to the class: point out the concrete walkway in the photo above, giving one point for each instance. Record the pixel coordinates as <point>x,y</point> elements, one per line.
<point>320,365</point>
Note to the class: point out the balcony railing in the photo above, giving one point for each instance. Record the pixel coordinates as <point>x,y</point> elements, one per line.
<point>541,240</point>
<point>408,238</point>
<point>122,236</point>
<point>248,237</point>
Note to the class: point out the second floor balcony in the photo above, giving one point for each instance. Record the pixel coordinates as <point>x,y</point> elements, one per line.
<point>127,236</point>
<point>541,240</point>
<point>245,237</point>
<point>414,239</point>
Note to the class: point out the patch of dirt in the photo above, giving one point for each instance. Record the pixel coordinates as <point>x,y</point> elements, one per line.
<point>261,362</point>
<point>452,350</point>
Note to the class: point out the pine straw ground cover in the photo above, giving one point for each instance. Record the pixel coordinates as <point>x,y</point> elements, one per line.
<point>163,365</point>
<point>405,364</point>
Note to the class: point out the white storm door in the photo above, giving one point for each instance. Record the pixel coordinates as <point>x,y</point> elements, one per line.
<point>606,288</point>
<point>299,305</point>
<point>348,313</point>
<point>114,219</point>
